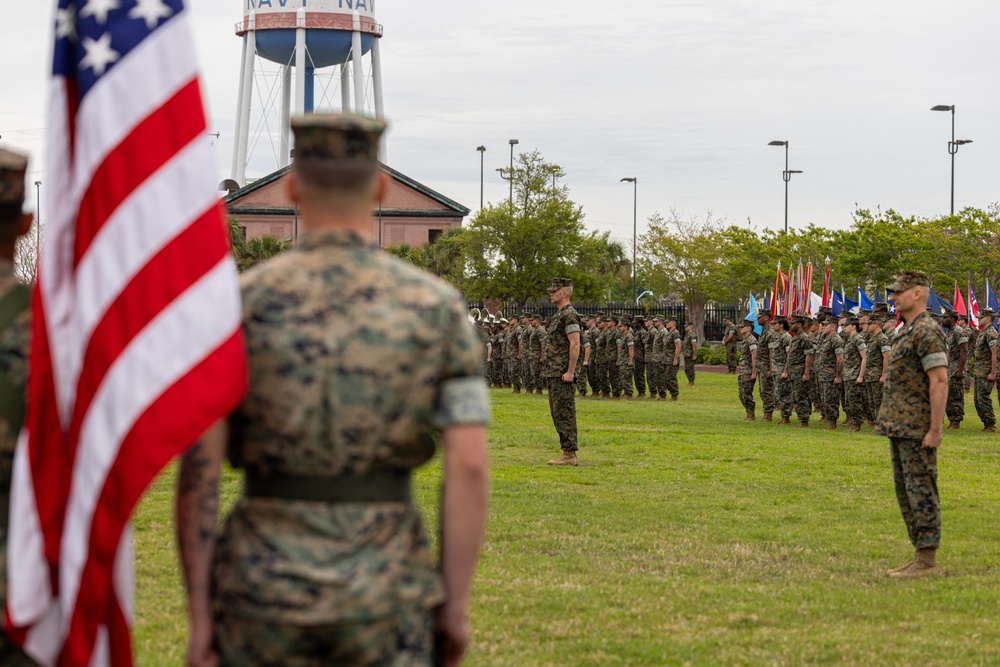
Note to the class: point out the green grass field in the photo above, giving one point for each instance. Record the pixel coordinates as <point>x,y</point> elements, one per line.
<point>688,536</point>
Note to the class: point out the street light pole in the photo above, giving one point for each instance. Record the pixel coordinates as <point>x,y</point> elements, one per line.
<point>635,217</point>
<point>38,223</point>
<point>482,162</point>
<point>952,147</point>
<point>786,176</point>
<point>512,142</point>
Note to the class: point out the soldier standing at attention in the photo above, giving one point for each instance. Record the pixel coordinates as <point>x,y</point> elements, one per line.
<point>524,353</point>
<point>512,353</point>
<point>747,369</point>
<point>614,338</point>
<point>657,390</point>
<point>639,367</point>
<point>500,353</point>
<point>986,370</point>
<point>766,384</point>
<point>689,350</point>
<point>671,358</point>
<point>647,342</point>
<point>585,375</point>
<point>562,349</point>
<point>829,371</point>
<point>876,367</point>
<point>729,340</point>
<point>626,358</point>
<point>912,416</point>
<point>855,360</point>
<point>15,341</point>
<point>798,370</point>
<point>780,345</point>
<point>536,352</point>
<point>958,351</point>
<point>324,559</point>
<point>972,333</point>
<point>601,346</point>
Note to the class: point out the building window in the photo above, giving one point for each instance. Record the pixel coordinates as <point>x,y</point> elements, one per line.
<point>434,234</point>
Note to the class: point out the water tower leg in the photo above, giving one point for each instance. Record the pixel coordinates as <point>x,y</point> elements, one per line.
<point>377,92</point>
<point>243,134</point>
<point>286,112</point>
<point>359,75</point>
<point>233,173</point>
<point>345,88</point>
<point>300,63</point>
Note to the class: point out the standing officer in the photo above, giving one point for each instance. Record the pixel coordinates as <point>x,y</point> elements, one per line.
<point>536,352</point>
<point>626,358</point>
<point>877,366</point>
<point>15,339</point>
<point>747,369</point>
<point>671,358</point>
<point>766,384</point>
<point>855,360</point>
<point>639,334</point>
<point>654,355</point>
<point>972,333</point>
<point>780,345</point>
<point>603,380</point>
<point>986,370</point>
<point>958,352</point>
<point>587,350</point>
<point>562,349</point>
<point>729,340</point>
<point>798,370</point>
<point>512,353</point>
<point>689,350</point>
<point>829,370</point>
<point>324,559</point>
<point>524,352</point>
<point>911,417</point>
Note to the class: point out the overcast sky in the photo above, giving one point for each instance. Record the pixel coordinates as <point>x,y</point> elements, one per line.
<point>684,95</point>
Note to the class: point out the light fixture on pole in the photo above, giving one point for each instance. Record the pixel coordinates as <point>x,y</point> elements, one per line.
<point>952,147</point>
<point>512,142</point>
<point>635,217</point>
<point>786,176</point>
<point>482,158</point>
<point>554,170</point>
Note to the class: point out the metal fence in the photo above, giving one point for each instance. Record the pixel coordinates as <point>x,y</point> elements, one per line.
<point>715,314</point>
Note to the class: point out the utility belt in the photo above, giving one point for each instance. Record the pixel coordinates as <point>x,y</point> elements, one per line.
<point>378,486</point>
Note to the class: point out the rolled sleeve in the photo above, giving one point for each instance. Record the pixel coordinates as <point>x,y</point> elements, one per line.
<point>462,401</point>
<point>572,328</point>
<point>934,360</point>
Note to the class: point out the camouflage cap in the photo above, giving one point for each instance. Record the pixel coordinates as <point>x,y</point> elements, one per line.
<point>780,319</point>
<point>13,167</point>
<point>950,313</point>
<point>908,280</point>
<point>853,321</point>
<point>559,283</point>
<point>986,312</point>
<point>825,310</point>
<point>336,136</point>
<point>658,318</point>
<point>537,317</point>
<point>745,324</point>
<point>880,308</point>
<point>863,311</point>
<point>763,314</point>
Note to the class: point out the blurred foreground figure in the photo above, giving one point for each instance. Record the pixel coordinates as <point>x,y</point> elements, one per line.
<point>357,360</point>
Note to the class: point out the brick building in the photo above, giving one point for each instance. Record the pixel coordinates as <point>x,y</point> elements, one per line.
<point>411,212</point>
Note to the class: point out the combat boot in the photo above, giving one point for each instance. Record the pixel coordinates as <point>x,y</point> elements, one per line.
<point>540,392</point>
<point>751,416</point>
<point>855,428</point>
<point>896,571</point>
<point>802,425</point>
<point>990,429</point>
<point>516,391</point>
<point>767,417</point>
<point>690,384</point>
<point>831,426</point>
<point>673,398</point>
<point>568,458</point>
<point>954,426</point>
<point>924,564</point>
<point>641,394</point>
<point>785,420</point>
<point>662,398</point>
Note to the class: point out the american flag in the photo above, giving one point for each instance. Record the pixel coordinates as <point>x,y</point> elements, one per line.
<point>136,345</point>
<point>973,310</point>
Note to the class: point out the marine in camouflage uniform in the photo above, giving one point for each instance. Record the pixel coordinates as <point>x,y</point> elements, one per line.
<point>614,375</point>
<point>15,341</point>
<point>911,418</point>
<point>876,367</point>
<point>536,350</point>
<point>765,380</point>
<point>562,347</point>
<point>647,342</point>
<point>689,350</point>
<point>654,360</point>
<point>512,355</point>
<point>524,353</point>
<point>585,354</point>
<point>325,553</point>
<point>799,369</point>
<point>603,358</point>
<point>815,332</point>
<point>639,334</point>
<point>855,360</point>
<point>957,341</point>
<point>780,344</point>
<point>671,358</point>
<point>972,332</point>
<point>729,340</point>
<point>829,367</point>
<point>500,355</point>
<point>626,358</point>
<point>986,365</point>
<point>747,368</point>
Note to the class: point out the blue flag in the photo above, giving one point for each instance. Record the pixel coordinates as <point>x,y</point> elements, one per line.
<point>752,316</point>
<point>863,300</point>
<point>991,299</point>
<point>850,306</point>
<point>878,296</point>
<point>837,303</point>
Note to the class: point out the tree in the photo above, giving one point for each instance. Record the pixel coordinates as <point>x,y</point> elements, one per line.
<point>256,250</point>
<point>26,255</point>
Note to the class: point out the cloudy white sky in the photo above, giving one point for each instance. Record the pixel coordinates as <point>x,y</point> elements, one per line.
<point>684,95</point>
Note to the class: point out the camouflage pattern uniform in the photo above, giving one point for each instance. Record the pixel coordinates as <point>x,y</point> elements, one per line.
<point>647,343</point>
<point>639,360</point>
<point>671,339</point>
<point>689,350</point>
<point>329,397</point>
<point>536,347</point>
<point>625,341</point>
<point>854,405</point>
<point>584,375</point>
<point>592,334</point>
<point>877,346</point>
<point>731,348</point>
<point>603,358</point>
<point>562,395</point>
<point>614,336</point>
<point>766,381</point>
<point>524,356</point>
<point>972,333</point>
<point>905,419</point>
<point>815,395</point>
<point>512,357</point>
<point>955,409</point>
<point>800,348</point>
<point>655,360</point>
<point>780,345</point>
<point>986,342</point>
<point>748,345</point>
<point>826,372</point>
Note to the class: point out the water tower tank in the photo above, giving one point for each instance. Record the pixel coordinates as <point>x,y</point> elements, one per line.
<point>303,36</point>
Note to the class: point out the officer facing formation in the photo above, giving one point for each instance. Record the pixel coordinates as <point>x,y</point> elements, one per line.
<point>689,350</point>
<point>730,341</point>
<point>15,340</point>
<point>324,558</point>
<point>747,369</point>
<point>562,350</point>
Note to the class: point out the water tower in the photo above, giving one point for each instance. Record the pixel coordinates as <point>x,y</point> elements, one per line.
<point>304,36</point>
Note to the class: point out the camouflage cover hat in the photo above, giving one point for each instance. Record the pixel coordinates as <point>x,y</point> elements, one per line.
<point>336,136</point>
<point>950,313</point>
<point>880,308</point>
<point>986,312</point>
<point>853,321</point>
<point>908,280</point>
<point>559,283</point>
<point>745,324</point>
<point>13,167</point>
<point>658,318</point>
<point>825,310</point>
<point>863,311</point>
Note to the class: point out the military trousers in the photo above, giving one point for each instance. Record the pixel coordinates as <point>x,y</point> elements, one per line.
<point>581,379</point>
<point>873,400</point>
<point>766,388</point>
<point>514,372</point>
<point>527,379</point>
<point>562,406</point>
<point>802,397</point>
<point>745,387</point>
<point>689,368</point>
<point>815,395</point>
<point>655,371</point>
<point>500,371</point>
<point>830,400</point>
<point>591,369</point>
<point>616,378</point>
<point>854,405</point>
<point>955,408</point>
<point>783,396</point>
<point>984,401</point>
<point>603,378</point>
<point>625,379</point>
<point>731,357</point>
<point>914,474</point>
<point>639,374</point>
<point>670,379</point>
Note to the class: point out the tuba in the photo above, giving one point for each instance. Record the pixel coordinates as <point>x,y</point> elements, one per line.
<point>474,316</point>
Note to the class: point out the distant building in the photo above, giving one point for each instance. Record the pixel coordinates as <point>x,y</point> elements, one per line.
<point>411,212</point>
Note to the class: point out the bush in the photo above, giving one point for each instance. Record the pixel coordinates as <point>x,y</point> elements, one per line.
<point>704,354</point>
